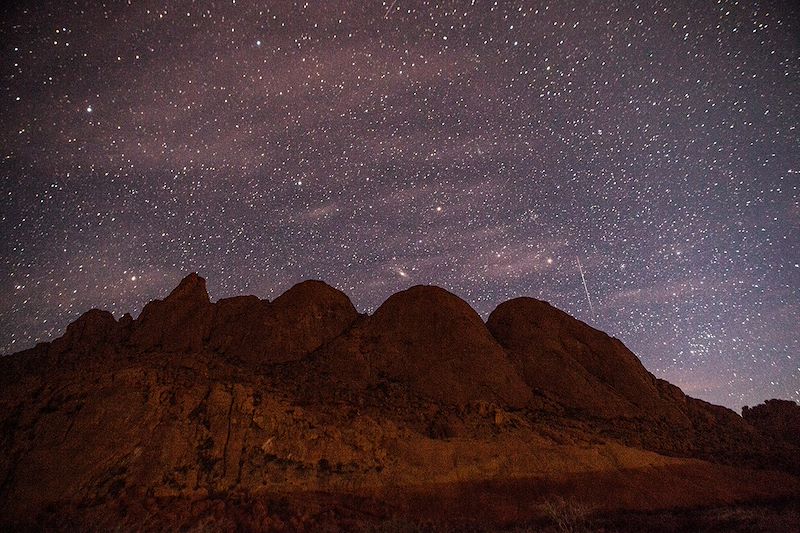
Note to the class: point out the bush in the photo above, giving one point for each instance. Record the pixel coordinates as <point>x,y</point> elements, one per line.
<point>568,516</point>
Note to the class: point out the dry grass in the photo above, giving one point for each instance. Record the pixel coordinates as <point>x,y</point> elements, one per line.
<point>568,516</point>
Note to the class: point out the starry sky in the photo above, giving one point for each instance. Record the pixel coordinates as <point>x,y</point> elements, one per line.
<point>481,146</point>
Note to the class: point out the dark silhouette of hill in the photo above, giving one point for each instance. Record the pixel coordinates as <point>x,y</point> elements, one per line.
<point>779,418</point>
<point>301,413</point>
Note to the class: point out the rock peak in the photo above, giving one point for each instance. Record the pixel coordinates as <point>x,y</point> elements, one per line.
<point>179,323</point>
<point>428,297</point>
<point>192,287</point>
<point>432,339</point>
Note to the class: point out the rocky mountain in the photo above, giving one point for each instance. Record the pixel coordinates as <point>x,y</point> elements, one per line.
<point>303,414</point>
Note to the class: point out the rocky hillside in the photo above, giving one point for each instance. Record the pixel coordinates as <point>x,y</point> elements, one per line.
<point>778,418</point>
<point>302,413</point>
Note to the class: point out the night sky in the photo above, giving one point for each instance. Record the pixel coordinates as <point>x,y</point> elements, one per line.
<point>480,146</point>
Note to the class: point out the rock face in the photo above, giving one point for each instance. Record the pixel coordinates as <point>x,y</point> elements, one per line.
<point>778,418</point>
<point>301,320</point>
<point>179,323</point>
<point>574,364</point>
<point>306,317</point>
<point>434,341</point>
<point>93,331</point>
<point>579,370</point>
<point>240,328</point>
<point>300,413</point>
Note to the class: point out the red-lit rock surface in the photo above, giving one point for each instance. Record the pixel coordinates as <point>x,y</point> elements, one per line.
<point>300,413</point>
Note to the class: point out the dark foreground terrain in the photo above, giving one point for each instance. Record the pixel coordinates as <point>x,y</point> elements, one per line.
<point>301,414</point>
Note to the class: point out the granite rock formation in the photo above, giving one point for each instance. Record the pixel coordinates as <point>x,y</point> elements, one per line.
<point>778,418</point>
<point>301,413</point>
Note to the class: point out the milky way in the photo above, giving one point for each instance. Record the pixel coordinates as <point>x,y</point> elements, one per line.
<point>480,146</point>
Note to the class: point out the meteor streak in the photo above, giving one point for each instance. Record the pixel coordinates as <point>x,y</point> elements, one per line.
<point>386,16</point>
<point>585,288</point>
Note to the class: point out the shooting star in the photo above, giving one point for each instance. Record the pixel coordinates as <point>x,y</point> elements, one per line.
<point>386,16</point>
<point>585,287</point>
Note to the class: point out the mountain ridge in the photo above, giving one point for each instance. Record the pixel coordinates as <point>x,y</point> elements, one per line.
<point>303,394</point>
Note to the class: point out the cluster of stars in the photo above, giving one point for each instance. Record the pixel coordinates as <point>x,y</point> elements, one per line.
<point>479,146</point>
